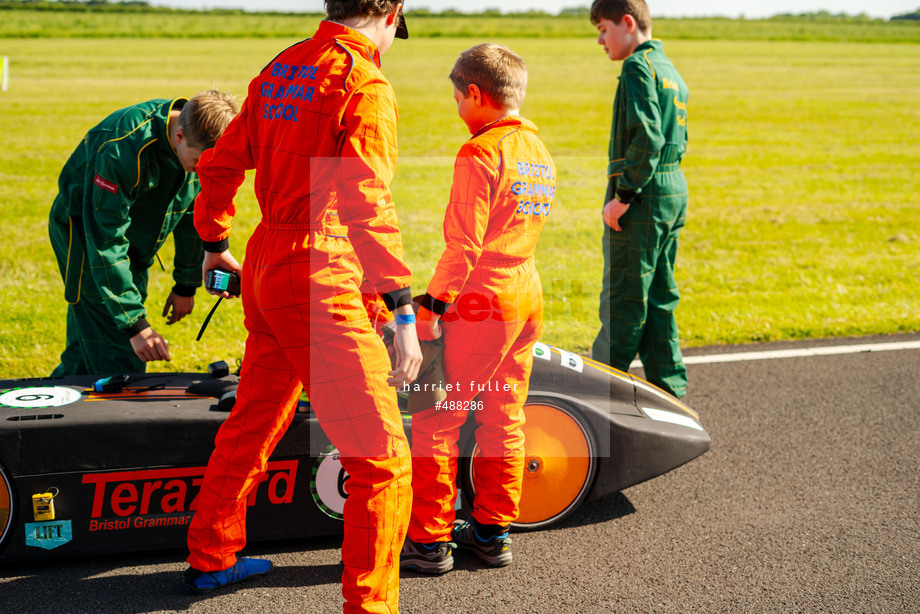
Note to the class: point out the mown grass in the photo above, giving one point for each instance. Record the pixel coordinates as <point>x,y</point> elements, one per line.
<point>71,24</point>
<point>802,169</point>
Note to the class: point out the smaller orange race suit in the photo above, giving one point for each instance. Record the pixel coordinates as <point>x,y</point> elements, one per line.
<point>487,288</point>
<point>319,127</point>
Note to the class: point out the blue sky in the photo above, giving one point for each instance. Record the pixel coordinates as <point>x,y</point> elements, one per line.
<point>662,8</point>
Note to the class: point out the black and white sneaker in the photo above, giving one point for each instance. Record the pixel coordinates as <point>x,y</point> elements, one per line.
<point>496,550</point>
<point>434,558</point>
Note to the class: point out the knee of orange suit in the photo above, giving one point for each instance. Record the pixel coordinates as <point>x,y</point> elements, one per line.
<point>498,425</point>
<point>500,431</point>
<point>379,473</point>
<point>510,445</point>
<point>436,431</point>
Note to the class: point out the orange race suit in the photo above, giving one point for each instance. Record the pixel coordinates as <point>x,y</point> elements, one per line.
<point>487,288</point>
<point>319,127</point>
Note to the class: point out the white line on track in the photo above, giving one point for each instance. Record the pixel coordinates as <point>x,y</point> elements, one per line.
<point>831,350</point>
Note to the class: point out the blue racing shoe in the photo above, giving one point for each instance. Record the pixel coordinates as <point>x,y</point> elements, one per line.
<point>201,582</point>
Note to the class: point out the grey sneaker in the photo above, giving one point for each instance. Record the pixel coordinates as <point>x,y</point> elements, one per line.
<point>435,558</point>
<point>496,551</point>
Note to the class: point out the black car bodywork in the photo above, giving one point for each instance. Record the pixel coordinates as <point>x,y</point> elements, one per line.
<point>93,472</point>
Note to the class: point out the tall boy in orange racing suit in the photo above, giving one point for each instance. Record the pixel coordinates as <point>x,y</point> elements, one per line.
<point>319,126</point>
<point>487,289</point>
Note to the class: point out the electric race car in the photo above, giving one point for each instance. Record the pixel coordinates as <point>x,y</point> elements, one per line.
<point>90,465</point>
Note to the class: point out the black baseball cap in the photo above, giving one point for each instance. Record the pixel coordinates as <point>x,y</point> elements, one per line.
<point>401,30</point>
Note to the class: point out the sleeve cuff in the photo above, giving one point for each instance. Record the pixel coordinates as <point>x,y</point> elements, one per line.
<point>186,291</point>
<point>137,327</point>
<point>627,196</point>
<point>397,298</point>
<point>434,305</point>
<point>216,247</point>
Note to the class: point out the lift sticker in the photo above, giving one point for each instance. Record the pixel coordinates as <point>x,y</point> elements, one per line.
<point>46,396</point>
<point>541,350</point>
<point>572,361</point>
<point>328,485</point>
<point>48,535</point>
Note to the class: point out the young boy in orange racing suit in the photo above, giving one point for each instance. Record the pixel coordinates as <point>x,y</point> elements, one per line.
<point>319,127</point>
<point>487,290</point>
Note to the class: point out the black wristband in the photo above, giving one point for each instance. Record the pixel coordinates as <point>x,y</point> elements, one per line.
<point>397,298</point>
<point>216,247</point>
<point>186,291</point>
<point>626,196</point>
<point>434,305</point>
<point>137,327</point>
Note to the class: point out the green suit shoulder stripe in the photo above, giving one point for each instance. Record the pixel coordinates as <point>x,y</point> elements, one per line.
<point>139,153</point>
<point>124,136</point>
<point>649,62</point>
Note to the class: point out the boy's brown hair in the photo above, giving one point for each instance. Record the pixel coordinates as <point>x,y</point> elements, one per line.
<point>205,117</point>
<point>500,73</point>
<point>337,10</point>
<point>615,10</point>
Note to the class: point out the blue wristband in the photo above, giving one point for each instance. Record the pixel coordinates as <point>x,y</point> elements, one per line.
<point>405,319</point>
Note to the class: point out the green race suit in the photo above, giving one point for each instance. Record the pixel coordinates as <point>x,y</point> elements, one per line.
<point>647,142</point>
<point>121,194</point>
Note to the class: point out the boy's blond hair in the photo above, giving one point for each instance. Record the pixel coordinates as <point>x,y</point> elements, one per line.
<point>500,73</point>
<point>616,10</point>
<point>205,117</point>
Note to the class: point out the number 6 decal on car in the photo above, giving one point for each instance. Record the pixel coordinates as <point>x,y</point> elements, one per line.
<point>328,485</point>
<point>47,396</point>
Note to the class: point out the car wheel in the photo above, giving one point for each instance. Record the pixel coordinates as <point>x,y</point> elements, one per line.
<point>560,464</point>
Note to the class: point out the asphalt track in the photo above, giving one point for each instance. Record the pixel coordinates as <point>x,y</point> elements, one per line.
<point>808,501</point>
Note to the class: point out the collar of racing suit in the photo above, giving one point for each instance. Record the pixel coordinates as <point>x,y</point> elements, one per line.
<point>166,143</point>
<point>508,120</point>
<point>330,30</point>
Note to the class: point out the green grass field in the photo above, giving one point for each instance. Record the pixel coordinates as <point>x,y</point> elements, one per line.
<point>803,169</point>
<point>192,24</point>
